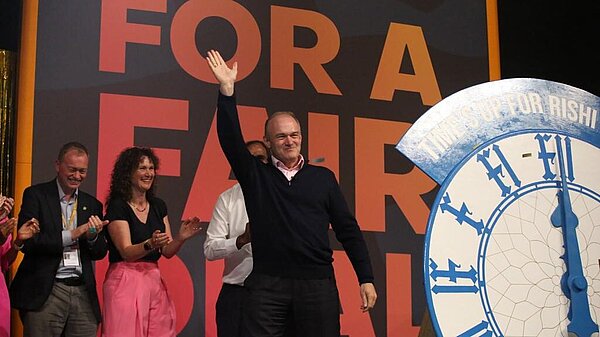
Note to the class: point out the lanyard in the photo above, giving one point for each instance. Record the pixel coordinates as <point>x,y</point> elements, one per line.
<point>72,217</point>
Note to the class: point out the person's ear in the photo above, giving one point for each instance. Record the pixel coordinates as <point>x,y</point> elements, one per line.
<point>267,143</point>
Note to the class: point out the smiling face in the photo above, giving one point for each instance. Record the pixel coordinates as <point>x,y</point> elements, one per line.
<point>284,138</point>
<point>143,176</point>
<point>71,170</point>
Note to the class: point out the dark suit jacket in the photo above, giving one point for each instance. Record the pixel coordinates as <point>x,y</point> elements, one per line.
<point>35,277</point>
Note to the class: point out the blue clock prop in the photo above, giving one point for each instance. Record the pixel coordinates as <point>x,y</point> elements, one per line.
<point>513,239</point>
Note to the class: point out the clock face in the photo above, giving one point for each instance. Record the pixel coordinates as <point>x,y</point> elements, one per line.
<point>494,246</point>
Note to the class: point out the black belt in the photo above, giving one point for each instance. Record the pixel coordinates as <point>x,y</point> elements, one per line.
<point>71,281</point>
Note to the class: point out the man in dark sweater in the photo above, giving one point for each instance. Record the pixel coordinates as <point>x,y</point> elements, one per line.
<point>290,204</point>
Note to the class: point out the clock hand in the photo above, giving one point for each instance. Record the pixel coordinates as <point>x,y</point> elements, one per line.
<point>573,282</point>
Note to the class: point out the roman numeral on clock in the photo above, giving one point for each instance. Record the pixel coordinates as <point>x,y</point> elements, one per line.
<point>462,214</point>
<point>454,275</point>
<point>477,330</point>
<point>496,173</point>
<point>548,157</point>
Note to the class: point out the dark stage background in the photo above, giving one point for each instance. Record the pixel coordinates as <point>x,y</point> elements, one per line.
<point>537,39</point>
<point>551,40</point>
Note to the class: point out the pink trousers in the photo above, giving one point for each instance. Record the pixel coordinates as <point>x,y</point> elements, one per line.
<point>136,303</point>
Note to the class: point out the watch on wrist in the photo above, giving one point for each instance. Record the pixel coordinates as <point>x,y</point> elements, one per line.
<point>17,247</point>
<point>147,245</point>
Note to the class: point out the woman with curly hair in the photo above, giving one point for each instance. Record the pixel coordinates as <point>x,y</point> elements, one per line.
<point>136,302</point>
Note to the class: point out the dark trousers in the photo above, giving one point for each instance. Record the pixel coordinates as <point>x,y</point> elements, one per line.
<point>229,311</point>
<point>66,313</point>
<point>274,304</point>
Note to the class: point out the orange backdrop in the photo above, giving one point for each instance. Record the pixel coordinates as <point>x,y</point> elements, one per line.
<point>117,73</point>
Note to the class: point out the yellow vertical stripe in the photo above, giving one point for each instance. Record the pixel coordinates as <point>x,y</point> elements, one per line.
<point>493,39</point>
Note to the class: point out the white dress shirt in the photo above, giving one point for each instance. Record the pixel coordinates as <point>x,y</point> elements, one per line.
<point>228,221</point>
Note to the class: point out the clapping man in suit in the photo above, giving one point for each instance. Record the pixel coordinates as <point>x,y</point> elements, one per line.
<point>55,288</point>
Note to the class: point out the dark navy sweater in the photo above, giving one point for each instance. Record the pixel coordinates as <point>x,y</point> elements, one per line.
<point>289,220</point>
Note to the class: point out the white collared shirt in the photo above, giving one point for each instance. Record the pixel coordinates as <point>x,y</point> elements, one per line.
<point>227,223</point>
<point>67,208</point>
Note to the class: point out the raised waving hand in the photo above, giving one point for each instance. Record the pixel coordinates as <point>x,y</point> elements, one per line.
<point>225,75</point>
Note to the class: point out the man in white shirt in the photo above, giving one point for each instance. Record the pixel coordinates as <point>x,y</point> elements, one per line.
<point>228,238</point>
